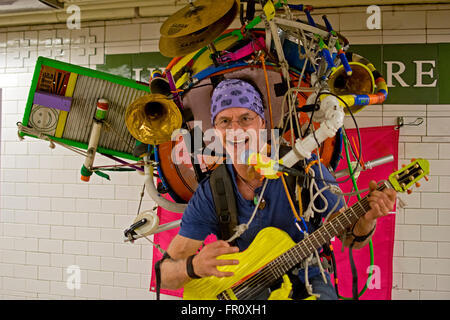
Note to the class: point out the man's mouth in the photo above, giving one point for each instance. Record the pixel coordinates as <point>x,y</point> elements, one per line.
<point>237,142</point>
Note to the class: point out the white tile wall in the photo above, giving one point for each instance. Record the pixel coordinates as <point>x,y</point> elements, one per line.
<point>50,220</point>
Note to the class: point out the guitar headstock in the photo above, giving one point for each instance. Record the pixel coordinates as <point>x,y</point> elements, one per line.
<point>404,178</point>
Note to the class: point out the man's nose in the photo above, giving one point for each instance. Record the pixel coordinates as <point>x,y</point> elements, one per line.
<point>235,125</point>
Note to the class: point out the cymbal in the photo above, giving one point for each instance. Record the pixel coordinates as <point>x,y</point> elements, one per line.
<point>180,46</point>
<point>194,17</point>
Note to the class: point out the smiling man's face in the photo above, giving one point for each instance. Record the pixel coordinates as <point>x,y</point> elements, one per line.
<point>240,130</point>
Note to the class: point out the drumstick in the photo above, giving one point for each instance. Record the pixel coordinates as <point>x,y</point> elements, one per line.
<point>100,114</point>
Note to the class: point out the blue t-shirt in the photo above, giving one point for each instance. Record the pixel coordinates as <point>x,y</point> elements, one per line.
<point>200,219</point>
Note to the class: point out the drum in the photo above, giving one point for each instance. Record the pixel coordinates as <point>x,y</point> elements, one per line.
<point>177,178</point>
<point>175,168</point>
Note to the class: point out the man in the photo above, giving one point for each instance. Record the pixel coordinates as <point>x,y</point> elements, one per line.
<point>236,109</point>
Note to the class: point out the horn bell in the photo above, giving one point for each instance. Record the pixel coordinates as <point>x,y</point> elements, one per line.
<point>360,82</point>
<point>152,118</point>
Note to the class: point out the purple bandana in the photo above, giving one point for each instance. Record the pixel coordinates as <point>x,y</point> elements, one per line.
<point>235,93</point>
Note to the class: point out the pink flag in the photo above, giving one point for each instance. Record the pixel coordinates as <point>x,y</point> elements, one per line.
<point>164,239</point>
<point>376,142</point>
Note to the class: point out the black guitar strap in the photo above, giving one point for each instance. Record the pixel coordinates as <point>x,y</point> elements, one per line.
<point>225,198</point>
<point>224,201</point>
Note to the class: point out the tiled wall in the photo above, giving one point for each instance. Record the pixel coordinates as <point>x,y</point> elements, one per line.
<point>51,220</point>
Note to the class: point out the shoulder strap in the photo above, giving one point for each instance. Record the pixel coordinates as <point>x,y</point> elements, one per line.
<point>224,200</point>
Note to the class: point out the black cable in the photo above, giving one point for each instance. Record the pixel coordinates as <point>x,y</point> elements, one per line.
<point>333,261</point>
<point>354,273</point>
<point>352,262</point>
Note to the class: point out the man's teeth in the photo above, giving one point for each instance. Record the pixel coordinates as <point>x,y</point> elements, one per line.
<point>237,141</point>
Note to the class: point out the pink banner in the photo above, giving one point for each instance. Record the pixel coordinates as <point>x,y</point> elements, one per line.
<point>376,142</point>
<point>164,239</point>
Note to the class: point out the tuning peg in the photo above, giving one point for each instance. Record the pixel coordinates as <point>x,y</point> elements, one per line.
<point>417,184</point>
<point>403,165</point>
<point>426,178</point>
<point>413,159</point>
<point>409,191</point>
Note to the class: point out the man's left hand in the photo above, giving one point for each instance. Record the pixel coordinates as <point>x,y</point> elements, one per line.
<point>381,202</point>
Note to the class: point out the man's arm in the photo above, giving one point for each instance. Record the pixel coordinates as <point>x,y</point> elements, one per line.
<point>173,270</point>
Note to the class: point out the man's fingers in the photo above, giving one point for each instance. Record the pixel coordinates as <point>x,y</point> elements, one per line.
<point>373,185</point>
<point>222,274</point>
<point>219,244</point>
<point>229,250</point>
<point>380,204</point>
<point>391,193</point>
<point>223,262</point>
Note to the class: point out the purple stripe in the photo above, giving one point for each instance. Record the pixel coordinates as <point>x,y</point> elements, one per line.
<point>121,161</point>
<point>50,100</point>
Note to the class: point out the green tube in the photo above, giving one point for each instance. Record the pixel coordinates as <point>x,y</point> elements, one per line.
<point>369,278</point>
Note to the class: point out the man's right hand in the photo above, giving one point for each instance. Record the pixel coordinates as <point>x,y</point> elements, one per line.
<point>205,262</point>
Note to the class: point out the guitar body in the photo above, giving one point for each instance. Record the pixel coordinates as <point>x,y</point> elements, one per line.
<point>268,244</point>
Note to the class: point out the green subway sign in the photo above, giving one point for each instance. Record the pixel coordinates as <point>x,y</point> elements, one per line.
<point>414,73</point>
<point>137,66</point>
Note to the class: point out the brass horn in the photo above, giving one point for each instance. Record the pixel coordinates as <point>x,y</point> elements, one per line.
<point>152,118</point>
<point>355,89</point>
<point>360,82</point>
<point>159,83</point>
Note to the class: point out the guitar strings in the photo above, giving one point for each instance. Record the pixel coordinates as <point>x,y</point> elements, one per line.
<point>268,272</point>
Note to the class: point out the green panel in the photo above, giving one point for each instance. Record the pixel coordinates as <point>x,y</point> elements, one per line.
<point>409,92</point>
<point>34,83</point>
<point>444,72</point>
<point>372,52</point>
<point>149,60</point>
<point>82,71</point>
<point>91,73</point>
<point>124,64</point>
<point>118,64</point>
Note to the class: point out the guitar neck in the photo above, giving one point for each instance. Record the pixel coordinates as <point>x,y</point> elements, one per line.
<point>325,233</point>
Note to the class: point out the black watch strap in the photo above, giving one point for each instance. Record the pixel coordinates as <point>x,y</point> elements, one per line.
<point>190,268</point>
<point>362,238</point>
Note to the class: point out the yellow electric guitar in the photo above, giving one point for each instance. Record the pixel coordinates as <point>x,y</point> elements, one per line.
<point>272,253</point>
